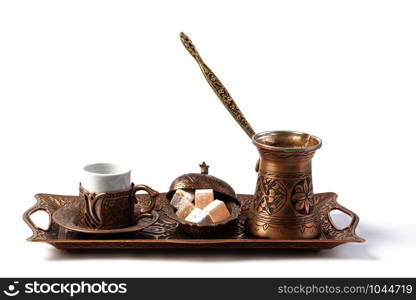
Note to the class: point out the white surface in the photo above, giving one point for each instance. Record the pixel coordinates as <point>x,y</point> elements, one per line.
<point>105,177</point>
<point>87,81</point>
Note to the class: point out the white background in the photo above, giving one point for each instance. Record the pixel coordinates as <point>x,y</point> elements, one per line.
<point>90,81</point>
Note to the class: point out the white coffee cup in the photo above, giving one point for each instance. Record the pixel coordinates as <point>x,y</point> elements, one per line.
<point>106,177</point>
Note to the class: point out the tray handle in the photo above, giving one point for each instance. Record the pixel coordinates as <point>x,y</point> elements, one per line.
<point>327,202</point>
<point>28,220</point>
<point>48,203</point>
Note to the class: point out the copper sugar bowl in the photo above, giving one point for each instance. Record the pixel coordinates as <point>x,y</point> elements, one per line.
<point>284,206</point>
<point>222,190</point>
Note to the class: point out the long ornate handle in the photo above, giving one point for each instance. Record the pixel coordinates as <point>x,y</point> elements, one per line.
<point>218,87</point>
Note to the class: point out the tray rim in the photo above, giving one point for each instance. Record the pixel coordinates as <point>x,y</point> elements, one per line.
<point>197,241</point>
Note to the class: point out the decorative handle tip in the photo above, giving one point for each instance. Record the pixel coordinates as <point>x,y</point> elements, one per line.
<point>186,41</point>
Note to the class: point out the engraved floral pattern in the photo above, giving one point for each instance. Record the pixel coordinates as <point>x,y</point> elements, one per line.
<point>302,197</point>
<point>271,195</point>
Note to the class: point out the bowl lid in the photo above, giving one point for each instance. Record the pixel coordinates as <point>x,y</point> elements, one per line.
<point>202,180</point>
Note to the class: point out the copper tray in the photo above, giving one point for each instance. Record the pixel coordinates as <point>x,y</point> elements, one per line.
<point>165,233</point>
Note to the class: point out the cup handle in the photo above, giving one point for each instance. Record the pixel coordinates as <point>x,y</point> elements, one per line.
<point>152,193</point>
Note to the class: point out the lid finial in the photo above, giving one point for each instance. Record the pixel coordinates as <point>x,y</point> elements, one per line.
<point>204,168</point>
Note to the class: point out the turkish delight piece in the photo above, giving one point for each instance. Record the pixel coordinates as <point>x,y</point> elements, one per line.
<point>198,216</point>
<point>185,210</point>
<point>217,210</point>
<point>203,198</point>
<point>181,197</point>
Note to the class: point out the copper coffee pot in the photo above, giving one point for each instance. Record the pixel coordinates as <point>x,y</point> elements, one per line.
<point>283,206</point>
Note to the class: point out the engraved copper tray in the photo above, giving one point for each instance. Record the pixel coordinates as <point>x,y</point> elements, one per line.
<point>165,233</point>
